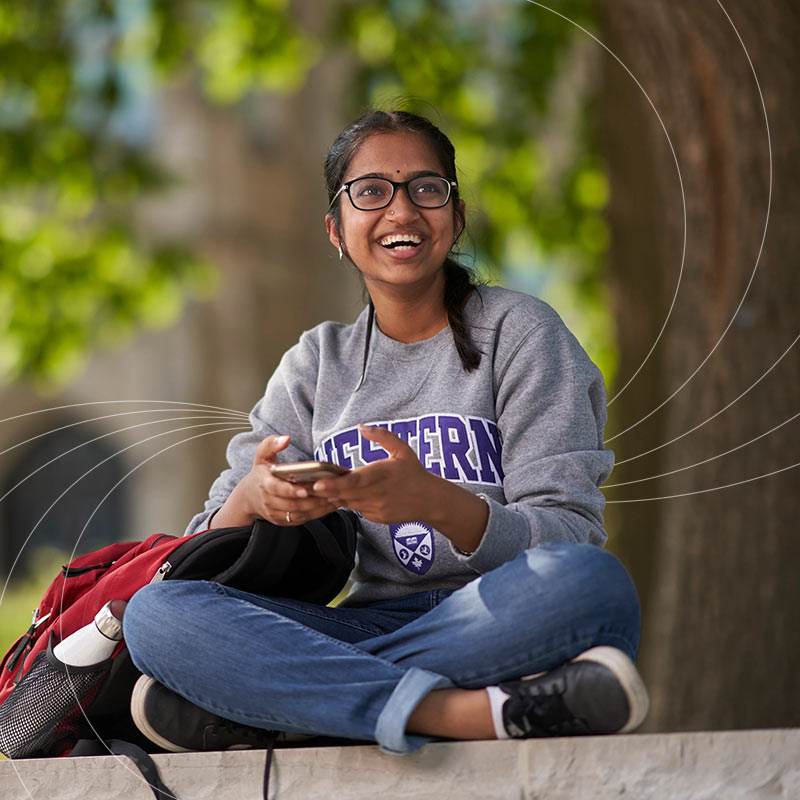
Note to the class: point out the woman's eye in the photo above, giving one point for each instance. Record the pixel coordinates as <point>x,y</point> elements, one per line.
<point>371,190</point>
<point>432,187</point>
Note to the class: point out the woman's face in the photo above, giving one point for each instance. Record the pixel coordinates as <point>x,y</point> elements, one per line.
<point>366,235</point>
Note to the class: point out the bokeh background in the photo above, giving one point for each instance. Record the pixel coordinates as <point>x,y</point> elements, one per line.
<point>635,164</point>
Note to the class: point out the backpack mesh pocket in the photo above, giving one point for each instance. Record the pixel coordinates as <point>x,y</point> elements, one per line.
<point>45,710</point>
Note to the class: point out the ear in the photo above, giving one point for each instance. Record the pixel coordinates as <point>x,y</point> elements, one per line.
<point>333,230</point>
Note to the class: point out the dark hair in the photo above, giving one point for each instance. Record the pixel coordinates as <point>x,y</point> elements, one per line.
<point>458,279</point>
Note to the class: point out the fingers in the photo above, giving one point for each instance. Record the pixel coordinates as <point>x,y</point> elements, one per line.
<point>389,441</point>
<point>298,513</point>
<point>346,485</point>
<point>362,489</point>
<point>276,497</point>
<point>300,509</point>
<point>269,448</point>
<point>304,502</point>
<point>281,488</point>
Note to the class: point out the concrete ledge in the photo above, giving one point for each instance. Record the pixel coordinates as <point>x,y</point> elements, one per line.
<point>722,764</point>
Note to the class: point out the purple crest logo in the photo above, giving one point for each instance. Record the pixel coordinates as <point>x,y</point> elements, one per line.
<point>413,545</point>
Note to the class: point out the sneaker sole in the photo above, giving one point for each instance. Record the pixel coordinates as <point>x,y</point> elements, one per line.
<point>140,690</point>
<point>623,669</point>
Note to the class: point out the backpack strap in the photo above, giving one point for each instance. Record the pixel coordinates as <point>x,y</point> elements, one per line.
<point>144,763</point>
<point>263,561</point>
<point>326,542</point>
<point>268,767</point>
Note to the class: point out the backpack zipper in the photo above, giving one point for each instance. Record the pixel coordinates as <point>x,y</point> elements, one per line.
<point>162,572</point>
<point>71,572</point>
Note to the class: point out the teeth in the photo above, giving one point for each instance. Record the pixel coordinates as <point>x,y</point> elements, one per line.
<point>406,238</point>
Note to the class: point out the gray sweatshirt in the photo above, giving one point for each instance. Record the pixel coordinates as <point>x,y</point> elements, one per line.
<point>524,431</point>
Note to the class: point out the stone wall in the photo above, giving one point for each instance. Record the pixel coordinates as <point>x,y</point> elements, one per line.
<point>760,764</point>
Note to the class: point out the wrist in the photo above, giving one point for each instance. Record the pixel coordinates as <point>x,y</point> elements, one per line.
<point>438,502</point>
<point>485,525</point>
<point>236,510</point>
<point>458,514</point>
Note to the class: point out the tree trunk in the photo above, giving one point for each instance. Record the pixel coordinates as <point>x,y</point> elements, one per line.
<point>719,571</point>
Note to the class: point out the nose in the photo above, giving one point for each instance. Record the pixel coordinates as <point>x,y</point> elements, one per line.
<point>401,206</point>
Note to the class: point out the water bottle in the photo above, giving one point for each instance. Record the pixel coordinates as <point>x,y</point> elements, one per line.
<point>96,641</point>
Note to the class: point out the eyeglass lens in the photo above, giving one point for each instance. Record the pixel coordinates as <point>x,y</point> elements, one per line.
<point>428,191</point>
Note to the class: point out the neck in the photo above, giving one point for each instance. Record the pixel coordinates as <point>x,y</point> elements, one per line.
<point>408,316</point>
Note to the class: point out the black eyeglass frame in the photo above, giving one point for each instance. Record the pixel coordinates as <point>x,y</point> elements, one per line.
<point>345,187</point>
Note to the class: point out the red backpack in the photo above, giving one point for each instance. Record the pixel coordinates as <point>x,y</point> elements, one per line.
<point>46,708</point>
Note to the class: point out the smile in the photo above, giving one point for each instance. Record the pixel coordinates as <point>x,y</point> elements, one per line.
<point>401,241</point>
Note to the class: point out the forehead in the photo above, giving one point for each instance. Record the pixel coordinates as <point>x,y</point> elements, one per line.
<point>394,155</point>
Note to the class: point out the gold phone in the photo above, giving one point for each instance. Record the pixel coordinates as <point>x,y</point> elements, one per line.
<point>307,471</point>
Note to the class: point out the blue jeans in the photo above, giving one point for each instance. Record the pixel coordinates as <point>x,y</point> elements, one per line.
<point>360,672</point>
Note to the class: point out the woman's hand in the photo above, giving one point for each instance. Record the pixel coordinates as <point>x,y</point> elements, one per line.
<point>394,489</point>
<point>399,489</point>
<point>260,495</point>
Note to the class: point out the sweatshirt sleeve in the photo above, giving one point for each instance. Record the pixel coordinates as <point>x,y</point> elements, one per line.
<point>551,410</point>
<point>287,407</point>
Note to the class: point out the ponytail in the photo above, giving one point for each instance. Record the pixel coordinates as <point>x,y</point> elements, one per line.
<point>457,288</point>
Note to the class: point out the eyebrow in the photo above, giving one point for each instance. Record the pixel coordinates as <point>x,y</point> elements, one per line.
<point>388,176</point>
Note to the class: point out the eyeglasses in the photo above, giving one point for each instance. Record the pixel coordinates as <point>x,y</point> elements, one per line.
<point>370,194</point>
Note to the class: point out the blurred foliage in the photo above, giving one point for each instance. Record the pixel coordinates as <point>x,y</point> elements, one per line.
<point>75,129</point>
<point>73,135</point>
<point>488,72</point>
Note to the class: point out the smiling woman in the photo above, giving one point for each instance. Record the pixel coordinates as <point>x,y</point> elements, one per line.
<point>398,238</point>
<point>469,422</point>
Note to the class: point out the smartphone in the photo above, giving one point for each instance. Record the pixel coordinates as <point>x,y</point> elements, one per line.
<point>307,471</point>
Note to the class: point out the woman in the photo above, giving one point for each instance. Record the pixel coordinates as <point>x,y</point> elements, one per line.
<point>476,479</point>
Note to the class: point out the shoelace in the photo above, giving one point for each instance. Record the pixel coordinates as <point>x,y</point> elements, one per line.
<point>543,711</point>
<point>224,729</point>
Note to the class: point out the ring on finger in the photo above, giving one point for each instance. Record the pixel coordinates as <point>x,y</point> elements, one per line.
<point>289,517</point>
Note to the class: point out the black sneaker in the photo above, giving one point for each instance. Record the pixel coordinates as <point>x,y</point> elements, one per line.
<point>600,691</point>
<point>178,725</point>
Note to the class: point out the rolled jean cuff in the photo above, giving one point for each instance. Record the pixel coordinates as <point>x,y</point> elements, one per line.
<point>390,729</point>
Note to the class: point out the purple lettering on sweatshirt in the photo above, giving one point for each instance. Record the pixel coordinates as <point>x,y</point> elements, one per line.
<point>427,428</point>
<point>455,441</point>
<point>490,451</point>
<point>406,429</point>
<point>346,444</point>
<point>370,451</point>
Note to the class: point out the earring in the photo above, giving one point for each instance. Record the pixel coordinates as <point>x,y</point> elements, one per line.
<point>340,252</point>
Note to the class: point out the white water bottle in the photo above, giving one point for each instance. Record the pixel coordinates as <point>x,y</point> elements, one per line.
<point>96,641</point>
